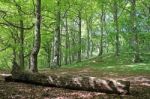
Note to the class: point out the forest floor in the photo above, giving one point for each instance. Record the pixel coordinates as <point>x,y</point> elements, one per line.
<point>138,74</point>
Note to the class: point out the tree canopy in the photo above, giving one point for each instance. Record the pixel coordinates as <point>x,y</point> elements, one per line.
<point>73,30</point>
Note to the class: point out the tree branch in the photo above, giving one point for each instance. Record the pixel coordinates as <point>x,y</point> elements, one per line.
<point>8,23</point>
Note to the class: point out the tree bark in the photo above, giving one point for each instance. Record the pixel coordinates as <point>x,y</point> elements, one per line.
<point>67,41</point>
<point>47,46</point>
<point>79,38</point>
<point>135,42</point>
<point>21,35</point>
<point>102,30</point>
<point>88,36</point>
<point>57,39</point>
<point>37,39</point>
<point>21,50</point>
<point>73,82</point>
<point>116,27</point>
<point>73,45</point>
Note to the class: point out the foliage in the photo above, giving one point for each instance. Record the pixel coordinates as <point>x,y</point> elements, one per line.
<point>12,11</point>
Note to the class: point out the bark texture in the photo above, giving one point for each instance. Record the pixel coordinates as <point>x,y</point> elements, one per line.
<point>73,82</point>
<point>79,36</point>
<point>117,42</point>
<point>37,39</point>
<point>135,36</point>
<point>56,62</point>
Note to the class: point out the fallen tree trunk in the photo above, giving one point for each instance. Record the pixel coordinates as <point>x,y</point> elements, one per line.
<point>73,82</point>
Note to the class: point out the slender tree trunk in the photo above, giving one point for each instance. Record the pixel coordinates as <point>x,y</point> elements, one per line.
<point>67,41</point>
<point>73,46</point>
<point>13,48</point>
<point>116,27</point>
<point>14,55</point>
<point>21,50</point>
<point>20,37</point>
<point>47,48</point>
<point>69,49</point>
<point>37,39</point>
<point>88,38</point>
<point>149,17</point>
<point>92,48</point>
<point>52,52</point>
<point>49,56</point>
<point>89,30</point>
<point>57,39</point>
<point>79,37</point>
<point>102,31</point>
<point>135,42</point>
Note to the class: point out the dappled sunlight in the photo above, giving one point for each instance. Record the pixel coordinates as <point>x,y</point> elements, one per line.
<point>4,75</point>
<point>139,64</point>
<point>142,66</point>
<point>109,67</point>
<point>93,61</point>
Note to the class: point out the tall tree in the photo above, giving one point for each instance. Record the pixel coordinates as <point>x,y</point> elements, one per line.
<point>88,37</point>
<point>135,42</point>
<point>115,6</point>
<point>79,35</point>
<point>16,30</point>
<point>37,39</point>
<point>21,36</point>
<point>102,19</point>
<point>57,37</point>
<point>67,41</point>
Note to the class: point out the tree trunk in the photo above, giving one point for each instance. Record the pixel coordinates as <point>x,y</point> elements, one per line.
<point>135,42</point>
<point>21,50</point>
<point>92,48</point>
<point>37,40</point>
<point>88,37</point>
<point>73,45</point>
<point>79,38</point>
<point>116,27</point>
<point>20,36</point>
<point>47,48</point>
<point>102,30</point>
<point>14,48</point>
<point>57,41</point>
<point>49,56</point>
<point>67,41</point>
<point>73,82</point>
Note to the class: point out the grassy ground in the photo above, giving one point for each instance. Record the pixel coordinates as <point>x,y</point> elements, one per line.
<point>107,67</point>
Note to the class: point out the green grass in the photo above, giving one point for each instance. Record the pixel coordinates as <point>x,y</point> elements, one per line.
<point>105,65</point>
<point>121,65</point>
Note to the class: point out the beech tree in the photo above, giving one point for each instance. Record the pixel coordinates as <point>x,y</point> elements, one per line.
<point>115,15</point>
<point>135,38</point>
<point>57,37</point>
<point>37,39</point>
